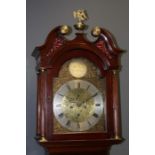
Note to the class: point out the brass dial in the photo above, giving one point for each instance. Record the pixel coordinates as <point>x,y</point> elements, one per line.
<point>78,105</point>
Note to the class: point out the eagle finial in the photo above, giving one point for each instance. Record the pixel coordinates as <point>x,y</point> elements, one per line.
<point>81,16</point>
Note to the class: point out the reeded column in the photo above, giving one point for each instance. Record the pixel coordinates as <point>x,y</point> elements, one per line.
<point>116,105</point>
<point>42,98</point>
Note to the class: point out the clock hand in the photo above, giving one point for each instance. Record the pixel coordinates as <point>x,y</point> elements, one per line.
<point>90,97</point>
<point>70,99</point>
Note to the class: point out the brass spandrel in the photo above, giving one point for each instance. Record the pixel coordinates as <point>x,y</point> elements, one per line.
<point>99,127</point>
<point>92,70</point>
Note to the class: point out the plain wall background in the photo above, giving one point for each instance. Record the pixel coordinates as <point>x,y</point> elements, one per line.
<point>42,17</point>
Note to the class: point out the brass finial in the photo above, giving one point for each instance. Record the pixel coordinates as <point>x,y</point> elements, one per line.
<point>96,31</point>
<point>81,16</point>
<point>65,29</point>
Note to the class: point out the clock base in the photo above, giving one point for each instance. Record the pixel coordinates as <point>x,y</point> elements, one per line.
<point>83,153</point>
<point>91,147</point>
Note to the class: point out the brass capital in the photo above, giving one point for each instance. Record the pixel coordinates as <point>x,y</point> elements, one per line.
<point>43,139</point>
<point>118,137</point>
<point>115,72</point>
<point>42,69</point>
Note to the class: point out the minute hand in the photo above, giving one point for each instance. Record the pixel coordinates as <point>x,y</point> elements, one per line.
<point>91,97</point>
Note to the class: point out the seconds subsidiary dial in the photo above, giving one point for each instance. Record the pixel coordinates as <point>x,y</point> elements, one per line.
<point>78,105</point>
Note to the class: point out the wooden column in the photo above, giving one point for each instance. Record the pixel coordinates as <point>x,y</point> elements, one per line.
<point>116,105</point>
<point>38,134</point>
<point>41,111</point>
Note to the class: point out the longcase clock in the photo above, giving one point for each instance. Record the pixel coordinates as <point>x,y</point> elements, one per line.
<point>78,109</point>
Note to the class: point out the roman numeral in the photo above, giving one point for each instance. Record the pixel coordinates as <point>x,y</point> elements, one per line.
<point>58,105</point>
<point>95,115</point>
<point>78,125</point>
<point>95,94</point>
<point>68,123</point>
<point>61,115</point>
<point>68,87</point>
<point>98,104</point>
<point>61,95</point>
<point>88,87</point>
<point>89,123</point>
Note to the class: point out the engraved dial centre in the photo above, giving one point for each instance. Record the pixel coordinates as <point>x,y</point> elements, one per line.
<point>74,108</point>
<point>78,105</point>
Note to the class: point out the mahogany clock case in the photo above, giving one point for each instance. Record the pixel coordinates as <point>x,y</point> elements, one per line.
<point>35,38</point>
<point>50,57</point>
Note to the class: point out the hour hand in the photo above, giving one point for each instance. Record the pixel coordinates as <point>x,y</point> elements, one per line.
<point>91,97</point>
<point>70,99</point>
